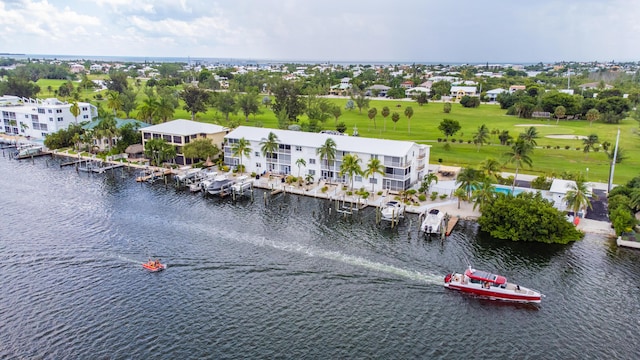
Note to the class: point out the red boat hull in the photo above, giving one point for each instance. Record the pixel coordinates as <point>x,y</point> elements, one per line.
<point>153,267</point>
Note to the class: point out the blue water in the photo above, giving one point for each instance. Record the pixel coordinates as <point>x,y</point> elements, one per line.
<point>280,279</point>
<point>507,190</point>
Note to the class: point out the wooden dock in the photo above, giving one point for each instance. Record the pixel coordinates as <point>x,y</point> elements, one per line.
<point>154,175</point>
<point>451,224</point>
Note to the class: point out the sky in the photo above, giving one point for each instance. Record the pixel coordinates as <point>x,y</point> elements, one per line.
<point>397,31</point>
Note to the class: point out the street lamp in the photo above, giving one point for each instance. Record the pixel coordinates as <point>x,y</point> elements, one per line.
<point>587,174</point>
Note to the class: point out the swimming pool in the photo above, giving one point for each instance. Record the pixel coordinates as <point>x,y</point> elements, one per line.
<point>507,190</point>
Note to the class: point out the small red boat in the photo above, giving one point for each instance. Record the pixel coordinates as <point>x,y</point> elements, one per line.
<point>492,286</point>
<point>154,266</point>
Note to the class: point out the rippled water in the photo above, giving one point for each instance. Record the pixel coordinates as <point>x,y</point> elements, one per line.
<point>286,279</point>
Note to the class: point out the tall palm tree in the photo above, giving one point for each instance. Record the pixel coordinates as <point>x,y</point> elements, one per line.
<point>519,155</point>
<point>350,166</point>
<point>593,115</point>
<point>577,197</point>
<point>590,144</point>
<point>300,162</point>
<point>408,112</point>
<point>241,148</point>
<point>164,109</point>
<point>530,136</point>
<point>327,151</point>
<point>467,180</point>
<point>372,115</point>
<point>75,110</point>
<point>483,195</point>
<point>114,101</point>
<point>148,110</point>
<point>374,166</point>
<point>481,136</point>
<point>269,146</point>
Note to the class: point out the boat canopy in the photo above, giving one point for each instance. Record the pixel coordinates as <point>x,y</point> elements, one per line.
<point>485,276</point>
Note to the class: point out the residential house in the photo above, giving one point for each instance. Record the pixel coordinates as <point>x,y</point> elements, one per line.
<point>341,89</point>
<point>405,162</point>
<point>558,191</point>
<point>77,68</point>
<point>458,92</point>
<point>377,90</point>
<point>180,132</point>
<point>37,118</point>
<point>101,142</point>
<point>514,88</point>
<point>492,95</point>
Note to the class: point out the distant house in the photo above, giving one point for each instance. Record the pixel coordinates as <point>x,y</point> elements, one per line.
<point>415,91</point>
<point>492,95</point>
<point>342,88</point>
<point>377,90</point>
<point>408,84</point>
<point>594,85</point>
<point>77,68</point>
<point>458,92</point>
<point>180,132</point>
<point>514,88</point>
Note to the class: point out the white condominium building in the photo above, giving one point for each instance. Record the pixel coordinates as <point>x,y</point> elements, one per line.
<point>37,118</point>
<point>405,163</point>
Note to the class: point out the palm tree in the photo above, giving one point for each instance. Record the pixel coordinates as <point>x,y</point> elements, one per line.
<point>530,136</point>
<point>148,110</point>
<point>427,180</point>
<point>559,112</point>
<point>300,162</point>
<point>518,155</point>
<point>589,144</point>
<point>482,136</point>
<point>468,180</point>
<point>408,112</point>
<point>491,167</point>
<point>461,194</point>
<point>593,115</point>
<point>239,149</point>
<point>328,152</point>
<point>374,166</point>
<point>385,112</point>
<point>164,109</point>
<point>308,178</point>
<point>114,101</point>
<point>483,195</point>
<point>75,110</point>
<point>577,196</point>
<point>395,117</point>
<point>350,166</point>
<point>269,146</point>
<point>372,115</point>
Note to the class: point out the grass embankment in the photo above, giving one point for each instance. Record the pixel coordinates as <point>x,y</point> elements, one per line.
<point>424,130</point>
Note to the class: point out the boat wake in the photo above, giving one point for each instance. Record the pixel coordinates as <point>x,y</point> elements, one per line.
<point>340,257</point>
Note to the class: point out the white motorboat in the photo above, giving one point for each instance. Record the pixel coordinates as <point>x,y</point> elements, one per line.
<point>220,184</point>
<point>392,210</point>
<point>491,286</point>
<point>432,223</point>
<point>187,174</point>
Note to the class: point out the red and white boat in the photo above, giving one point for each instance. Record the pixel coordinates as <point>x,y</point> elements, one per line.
<point>492,286</point>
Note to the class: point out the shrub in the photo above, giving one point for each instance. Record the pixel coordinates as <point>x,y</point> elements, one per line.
<point>443,196</point>
<point>434,195</point>
<point>379,192</point>
<point>422,197</point>
<point>453,140</point>
<point>567,147</point>
<point>324,189</point>
<point>349,193</point>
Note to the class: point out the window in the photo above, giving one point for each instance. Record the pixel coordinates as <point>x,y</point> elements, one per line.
<point>357,178</point>
<point>177,139</point>
<point>60,119</point>
<point>41,111</point>
<point>34,117</point>
<point>166,138</point>
<point>146,135</point>
<point>84,108</point>
<point>50,119</point>
<point>257,154</point>
<point>312,161</point>
<point>312,172</point>
<point>50,111</point>
<point>26,116</point>
<point>298,148</point>
<point>156,136</point>
<point>258,165</point>
<point>85,116</point>
<point>58,111</point>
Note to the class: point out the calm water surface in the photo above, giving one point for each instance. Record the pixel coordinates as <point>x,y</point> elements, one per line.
<point>285,280</point>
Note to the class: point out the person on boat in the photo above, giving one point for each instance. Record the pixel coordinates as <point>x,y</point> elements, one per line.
<point>157,263</point>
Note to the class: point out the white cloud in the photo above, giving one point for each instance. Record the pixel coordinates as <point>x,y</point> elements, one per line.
<point>405,30</point>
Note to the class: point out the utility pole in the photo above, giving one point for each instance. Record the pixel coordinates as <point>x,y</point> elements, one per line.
<point>613,162</point>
